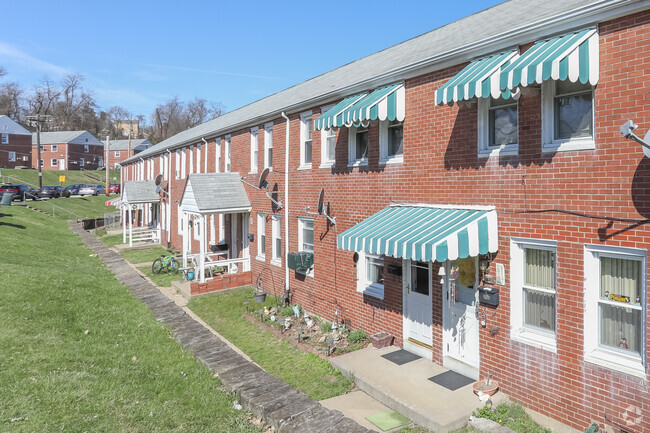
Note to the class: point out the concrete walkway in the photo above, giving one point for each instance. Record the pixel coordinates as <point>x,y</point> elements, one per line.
<point>279,405</point>
<point>407,389</point>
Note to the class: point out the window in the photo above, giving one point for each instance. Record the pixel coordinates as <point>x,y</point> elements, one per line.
<point>227,151</point>
<point>183,162</point>
<point>306,130</point>
<point>42,147</point>
<point>533,286</point>
<point>54,162</point>
<point>5,138</point>
<point>615,308</point>
<point>116,154</point>
<point>41,163</point>
<point>498,128</point>
<point>180,221</point>
<point>306,238</point>
<point>12,156</point>
<point>165,166</point>
<point>217,160</point>
<point>178,164</point>
<point>327,143</point>
<point>370,275</point>
<point>254,150</point>
<point>191,160</point>
<point>82,162</point>
<point>54,148</point>
<point>86,147</point>
<point>198,158</point>
<point>358,146</point>
<point>567,116</point>
<point>391,141</point>
<point>268,146</point>
<point>261,236</point>
<point>277,240</point>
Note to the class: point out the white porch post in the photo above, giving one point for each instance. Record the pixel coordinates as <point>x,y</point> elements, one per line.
<point>130,226</point>
<point>123,216</point>
<point>185,225</point>
<point>245,241</point>
<point>202,248</point>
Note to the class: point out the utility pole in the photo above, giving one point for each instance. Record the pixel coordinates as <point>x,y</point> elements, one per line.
<point>107,164</point>
<point>38,120</point>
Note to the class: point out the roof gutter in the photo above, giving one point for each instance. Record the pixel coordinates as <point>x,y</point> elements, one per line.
<point>286,203</point>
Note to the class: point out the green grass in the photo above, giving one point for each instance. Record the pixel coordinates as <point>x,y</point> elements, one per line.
<point>512,416</point>
<point>143,255</point>
<point>302,370</point>
<point>126,373</point>
<point>77,207</point>
<point>51,177</point>
<point>163,279</point>
<point>110,240</point>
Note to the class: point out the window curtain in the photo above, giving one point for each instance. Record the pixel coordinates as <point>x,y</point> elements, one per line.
<point>620,277</point>
<point>539,307</point>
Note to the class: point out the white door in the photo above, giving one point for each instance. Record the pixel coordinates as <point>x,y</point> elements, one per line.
<point>460,323</point>
<point>62,164</point>
<point>418,314</point>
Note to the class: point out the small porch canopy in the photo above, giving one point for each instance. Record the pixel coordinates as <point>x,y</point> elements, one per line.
<point>209,194</point>
<point>425,233</point>
<point>386,103</point>
<point>573,56</point>
<point>140,194</point>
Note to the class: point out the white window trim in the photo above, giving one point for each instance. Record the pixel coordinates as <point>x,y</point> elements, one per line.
<point>549,144</point>
<point>371,289</point>
<point>5,139</point>
<point>261,230</point>
<point>179,223</point>
<point>268,144</point>
<point>183,162</point>
<point>353,161</point>
<point>178,165</point>
<point>254,150</point>
<point>86,148</point>
<point>383,145</point>
<point>608,358</point>
<point>54,148</point>
<point>165,166</point>
<point>54,162</point>
<point>116,153</point>
<point>191,160</point>
<point>198,158</point>
<point>217,155</point>
<point>82,162</point>
<point>518,331</point>
<point>303,118</point>
<point>276,233</point>
<point>301,223</point>
<point>483,123</point>
<point>12,156</point>
<point>324,161</point>
<point>227,167</point>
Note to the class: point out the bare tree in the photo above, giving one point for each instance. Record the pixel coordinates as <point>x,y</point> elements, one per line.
<point>3,71</point>
<point>11,100</point>
<point>44,97</point>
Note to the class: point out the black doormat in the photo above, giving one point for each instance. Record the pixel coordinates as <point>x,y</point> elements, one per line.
<point>451,380</point>
<point>400,357</point>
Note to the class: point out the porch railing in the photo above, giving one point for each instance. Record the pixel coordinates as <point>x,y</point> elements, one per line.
<point>144,234</point>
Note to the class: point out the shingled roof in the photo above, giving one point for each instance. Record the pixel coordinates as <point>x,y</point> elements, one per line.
<point>140,191</point>
<point>215,193</point>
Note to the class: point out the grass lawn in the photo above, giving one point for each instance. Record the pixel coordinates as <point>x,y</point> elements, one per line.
<point>79,353</point>
<point>143,255</point>
<point>162,279</point>
<point>110,240</point>
<point>76,207</point>
<point>51,177</point>
<point>302,370</point>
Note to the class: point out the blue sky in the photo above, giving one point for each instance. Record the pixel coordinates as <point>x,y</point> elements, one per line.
<point>138,54</point>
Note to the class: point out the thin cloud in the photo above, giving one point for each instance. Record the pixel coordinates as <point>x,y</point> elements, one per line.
<point>12,52</point>
<point>209,71</point>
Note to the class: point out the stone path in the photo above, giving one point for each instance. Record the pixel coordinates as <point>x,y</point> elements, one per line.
<point>278,404</point>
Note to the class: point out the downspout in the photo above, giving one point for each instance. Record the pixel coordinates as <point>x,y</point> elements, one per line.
<point>205,157</point>
<point>286,205</point>
<point>169,198</point>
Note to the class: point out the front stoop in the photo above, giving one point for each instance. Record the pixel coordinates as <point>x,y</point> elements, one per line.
<point>222,282</point>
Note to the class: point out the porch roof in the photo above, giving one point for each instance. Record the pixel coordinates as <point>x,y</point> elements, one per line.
<point>209,193</point>
<point>140,191</point>
<point>426,233</point>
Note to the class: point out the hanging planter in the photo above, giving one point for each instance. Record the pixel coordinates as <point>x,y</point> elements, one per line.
<point>260,297</point>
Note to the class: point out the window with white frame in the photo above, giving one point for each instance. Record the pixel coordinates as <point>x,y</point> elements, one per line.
<point>183,162</point>
<point>178,164</point>
<point>82,162</point>
<point>12,156</point>
<point>100,161</point>
<point>391,141</point>
<point>306,238</point>
<point>370,275</point>
<point>191,159</point>
<point>306,133</point>
<point>180,221</point>
<point>116,154</point>
<point>268,146</point>
<point>567,116</point>
<point>42,146</point>
<point>261,236</point>
<point>533,268</point>
<point>217,155</point>
<point>54,148</point>
<point>358,145</point>
<point>498,126</point>
<point>165,166</point>
<point>327,143</point>
<point>615,308</point>
<point>5,139</point>
<point>254,150</point>
<point>86,148</point>
<point>161,164</point>
<point>198,158</point>
<point>54,162</point>
<point>276,247</point>
<point>227,154</point>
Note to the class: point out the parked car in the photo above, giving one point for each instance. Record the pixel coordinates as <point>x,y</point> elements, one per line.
<point>92,190</point>
<point>74,189</point>
<point>19,191</point>
<point>52,191</point>
<point>114,188</point>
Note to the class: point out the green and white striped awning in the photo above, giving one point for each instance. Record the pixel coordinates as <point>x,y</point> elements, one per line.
<point>386,103</point>
<point>572,57</point>
<point>425,233</point>
<point>333,117</point>
<point>479,79</point>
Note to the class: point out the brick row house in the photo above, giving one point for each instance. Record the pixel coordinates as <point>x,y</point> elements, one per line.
<point>478,200</point>
<point>68,150</point>
<point>15,144</point>
<point>122,149</point>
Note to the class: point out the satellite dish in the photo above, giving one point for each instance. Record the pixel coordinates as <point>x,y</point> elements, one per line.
<point>627,130</point>
<point>321,197</point>
<point>262,183</point>
<point>158,180</point>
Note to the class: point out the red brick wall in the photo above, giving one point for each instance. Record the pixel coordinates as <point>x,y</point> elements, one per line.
<point>22,145</point>
<point>441,166</point>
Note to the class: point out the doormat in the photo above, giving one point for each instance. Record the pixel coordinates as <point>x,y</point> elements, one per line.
<point>388,420</point>
<point>451,380</point>
<point>400,357</point>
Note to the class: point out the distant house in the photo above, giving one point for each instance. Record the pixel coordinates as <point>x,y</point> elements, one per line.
<point>15,144</point>
<point>128,126</point>
<point>68,150</point>
<point>120,149</point>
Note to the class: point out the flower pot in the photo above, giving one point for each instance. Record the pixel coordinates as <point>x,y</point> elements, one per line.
<point>190,275</point>
<point>260,297</point>
<point>483,387</point>
<point>381,340</point>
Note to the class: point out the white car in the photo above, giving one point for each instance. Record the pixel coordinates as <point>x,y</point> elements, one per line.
<point>92,190</point>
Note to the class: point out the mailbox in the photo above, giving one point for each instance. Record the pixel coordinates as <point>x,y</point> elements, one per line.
<point>488,295</point>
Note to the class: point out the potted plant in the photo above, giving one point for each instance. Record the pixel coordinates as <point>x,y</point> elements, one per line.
<point>487,386</point>
<point>260,295</point>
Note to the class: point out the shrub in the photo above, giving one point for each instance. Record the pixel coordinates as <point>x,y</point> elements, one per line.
<point>357,336</point>
<point>512,416</point>
<point>286,311</point>
<point>326,326</point>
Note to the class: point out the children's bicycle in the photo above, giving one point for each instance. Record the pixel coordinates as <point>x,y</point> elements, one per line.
<point>165,262</point>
